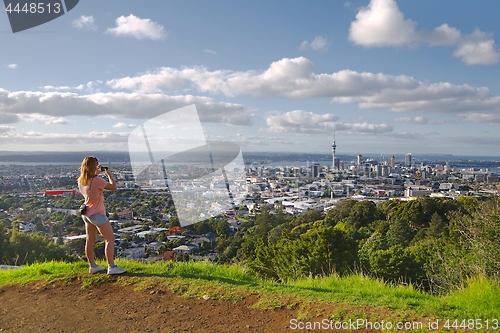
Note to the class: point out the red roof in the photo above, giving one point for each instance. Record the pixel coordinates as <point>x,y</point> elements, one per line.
<point>168,255</point>
<point>59,192</point>
<point>175,231</point>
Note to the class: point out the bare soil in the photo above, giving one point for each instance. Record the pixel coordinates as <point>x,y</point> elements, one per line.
<point>111,307</point>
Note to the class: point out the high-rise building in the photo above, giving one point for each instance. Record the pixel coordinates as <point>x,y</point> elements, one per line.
<point>367,169</point>
<point>337,165</point>
<point>316,169</point>
<point>360,159</point>
<point>385,171</point>
<point>334,147</point>
<point>392,162</point>
<point>408,160</point>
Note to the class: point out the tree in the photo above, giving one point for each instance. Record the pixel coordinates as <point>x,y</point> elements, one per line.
<point>395,264</point>
<point>205,246</point>
<point>321,250</point>
<point>142,211</point>
<point>28,248</point>
<point>480,233</point>
<point>311,215</point>
<point>4,244</point>
<point>264,222</point>
<point>437,225</point>
<point>39,227</point>
<point>274,235</point>
<point>99,250</point>
<point>56,229</point>
<point>341,210</point>
<point>174,222</point>
<point>222,227</point>
<point>75,247</point>
<point>4,205</point>
<point>399,233</point>
<point>388,208</point>
<point>279,214</point>
<point>376,242</point>
<point>153,203</point>
<point>262,263</point>
<point>203,227</point>
<point>362,213</point>
<point>412,213</point>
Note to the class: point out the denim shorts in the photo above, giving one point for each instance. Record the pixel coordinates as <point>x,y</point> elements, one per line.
<point>96,219</point>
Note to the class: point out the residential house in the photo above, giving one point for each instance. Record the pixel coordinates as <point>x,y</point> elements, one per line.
<point>154,246</point>
<point>133,253</point>
<point>184,249</point>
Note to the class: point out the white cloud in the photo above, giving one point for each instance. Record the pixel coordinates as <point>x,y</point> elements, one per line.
<point>442,36</point>
<point>209,51</point>
<point>382,24</point>
<point>299,121</point>
<point>295,79</point>
<point>133,26</point>
<point>123,105</point>
<point>123,125</point>
<point>365,128</point>
<point>12,66</point>
<point>92,86</point>
<point>419,121</point>
<point>318,44</point>
<point>6,129</point>
<point>289,78</point>
<point>57,121</point>
<point>85,22</point>
<point>251,140</point>
<point>48,120</point>
<point>103,139</point>
<point>478,48</point>
<point>63,88</point>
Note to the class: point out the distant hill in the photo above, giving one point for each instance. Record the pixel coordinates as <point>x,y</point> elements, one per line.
<point>62,157</point>
<point>249,157</point>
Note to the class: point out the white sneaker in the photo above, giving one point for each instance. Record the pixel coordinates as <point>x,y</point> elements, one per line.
<point>96,269</point>
<point>116,270</point>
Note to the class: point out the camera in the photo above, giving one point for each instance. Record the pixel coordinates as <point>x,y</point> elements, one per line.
<point>104,168</point>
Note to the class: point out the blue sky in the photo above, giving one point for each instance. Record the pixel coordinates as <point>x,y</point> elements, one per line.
<point>388,77</point>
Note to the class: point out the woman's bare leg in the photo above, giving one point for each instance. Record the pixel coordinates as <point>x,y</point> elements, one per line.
<point>91,232</point>
<point>109,238</point>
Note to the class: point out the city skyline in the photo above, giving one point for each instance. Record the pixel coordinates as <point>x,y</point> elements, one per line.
<point>386,77</point>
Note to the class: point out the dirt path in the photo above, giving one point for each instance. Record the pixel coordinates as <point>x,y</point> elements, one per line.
<point>113,308</point>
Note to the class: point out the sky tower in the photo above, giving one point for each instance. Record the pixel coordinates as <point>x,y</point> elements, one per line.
<point>334,146</point>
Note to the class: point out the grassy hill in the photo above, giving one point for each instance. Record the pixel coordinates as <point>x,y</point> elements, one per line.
<point>351,297</point>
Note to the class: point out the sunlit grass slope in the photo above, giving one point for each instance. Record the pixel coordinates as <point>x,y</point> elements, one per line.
<point>480,298</point>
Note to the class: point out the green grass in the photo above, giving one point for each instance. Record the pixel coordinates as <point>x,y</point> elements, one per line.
<point>480,298</point>
<point>267,303</point>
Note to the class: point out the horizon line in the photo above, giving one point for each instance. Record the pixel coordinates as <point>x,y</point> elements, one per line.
<point>43,152</point>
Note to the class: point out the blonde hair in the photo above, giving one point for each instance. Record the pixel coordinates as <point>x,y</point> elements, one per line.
<point>87,169</point>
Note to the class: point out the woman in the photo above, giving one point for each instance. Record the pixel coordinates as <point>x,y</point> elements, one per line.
<point>92,187</point>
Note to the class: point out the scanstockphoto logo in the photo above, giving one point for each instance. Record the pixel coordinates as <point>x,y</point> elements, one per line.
<point>25,15</point>
<point>205,178</point>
